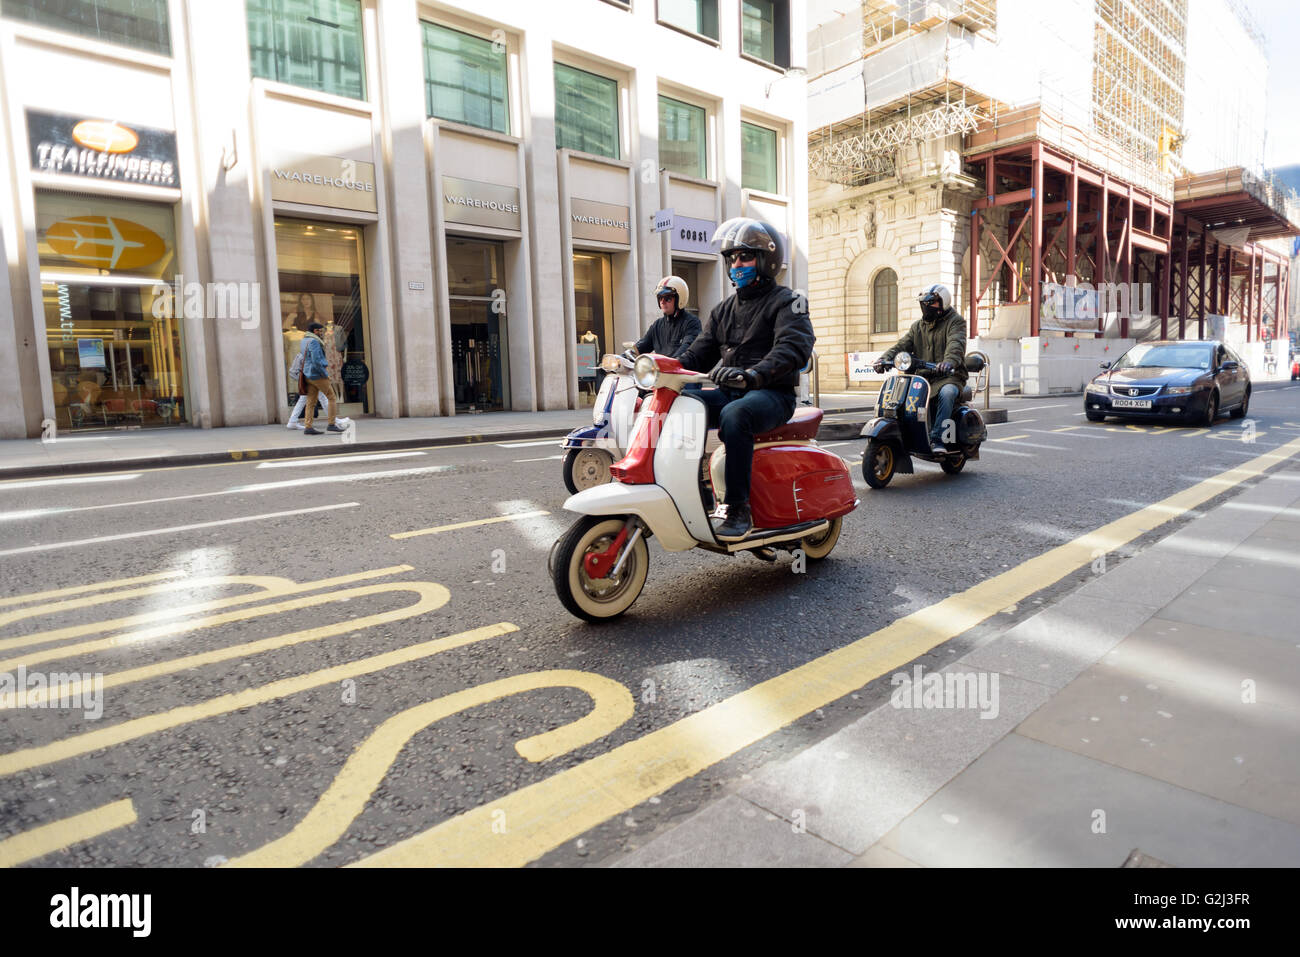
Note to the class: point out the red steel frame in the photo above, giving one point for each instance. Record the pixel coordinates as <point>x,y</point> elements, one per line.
<point>1059,207</point>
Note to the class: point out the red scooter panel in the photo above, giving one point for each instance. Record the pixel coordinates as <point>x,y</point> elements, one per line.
<point>798,483</point>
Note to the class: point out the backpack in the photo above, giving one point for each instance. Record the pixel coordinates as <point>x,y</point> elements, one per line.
<point>295,367</point>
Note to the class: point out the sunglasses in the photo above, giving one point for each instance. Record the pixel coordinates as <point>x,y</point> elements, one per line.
<point>741,256</point>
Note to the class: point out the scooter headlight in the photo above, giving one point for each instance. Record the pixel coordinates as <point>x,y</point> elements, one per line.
<point>645,372</point>
<point>611,363</point>
<point>903,362</point>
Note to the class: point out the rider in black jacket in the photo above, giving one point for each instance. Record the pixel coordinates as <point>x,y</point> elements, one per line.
<point>673,332</point>
<point>755,343</point>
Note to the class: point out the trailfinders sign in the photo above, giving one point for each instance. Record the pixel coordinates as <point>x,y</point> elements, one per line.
<point>480,204</point>
<point>602,222</point>
<point>325,181</point>
<point>102,149</point>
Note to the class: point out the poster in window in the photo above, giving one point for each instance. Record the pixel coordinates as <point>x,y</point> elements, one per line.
<point>90,353</point>
<point>299,310</point>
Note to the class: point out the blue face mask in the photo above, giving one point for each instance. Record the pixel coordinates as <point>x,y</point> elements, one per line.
<point>742,276</point>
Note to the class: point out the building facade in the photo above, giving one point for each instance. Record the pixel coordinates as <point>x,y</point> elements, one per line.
<point>463,194</point>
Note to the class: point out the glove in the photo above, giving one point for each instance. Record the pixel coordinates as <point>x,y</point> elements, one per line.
<point>879,367</point>
<point>946,367</point>
<point>630,355</point>
<point>723,376</point>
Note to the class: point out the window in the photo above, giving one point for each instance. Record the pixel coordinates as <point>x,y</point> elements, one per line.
<point>134,23</point>
<point>884,301</point>
<point>310,43</point>
<point>586,112</point>
<point>681,138</point>
<point>758,158</point>
<point>693,16</point>
<point>758,29</point>
<point>464,78</point>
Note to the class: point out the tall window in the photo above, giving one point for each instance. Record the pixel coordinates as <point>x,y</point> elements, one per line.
<point>311,43</point>
<point>681,138</point>
<point>697,16</point>
<point>884,301</point>
<point>758,29</point>
<point>464,78</point>
<point>758,158</point>
<point>134,23</point>
<point>586,112</point>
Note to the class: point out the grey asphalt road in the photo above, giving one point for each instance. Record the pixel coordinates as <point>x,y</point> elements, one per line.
<point>258,629</point>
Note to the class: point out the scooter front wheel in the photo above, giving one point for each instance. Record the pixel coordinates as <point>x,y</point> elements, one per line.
<point>878,463</point>
<point>597,599</point>
<point>586,468</point>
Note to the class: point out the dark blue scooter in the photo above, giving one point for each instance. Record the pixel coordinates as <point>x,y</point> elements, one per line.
<point>901,428</point>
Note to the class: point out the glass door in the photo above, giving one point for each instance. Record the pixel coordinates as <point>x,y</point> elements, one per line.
<point>480,358</point>
<point>593,296</point>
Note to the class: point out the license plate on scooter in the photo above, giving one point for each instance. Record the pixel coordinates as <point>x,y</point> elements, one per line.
<point>1131,403</point>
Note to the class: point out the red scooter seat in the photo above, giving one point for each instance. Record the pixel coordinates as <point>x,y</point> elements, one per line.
<point>803,425</point>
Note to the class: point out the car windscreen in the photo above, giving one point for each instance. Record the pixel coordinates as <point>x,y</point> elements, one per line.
<point>1175,356</point>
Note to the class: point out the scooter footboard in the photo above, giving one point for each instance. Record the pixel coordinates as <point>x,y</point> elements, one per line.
<point>651,503</point>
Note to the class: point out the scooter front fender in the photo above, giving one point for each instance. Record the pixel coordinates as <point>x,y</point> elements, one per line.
<point>593,436</point>
<point>650,503</point>
<point>883,430</point>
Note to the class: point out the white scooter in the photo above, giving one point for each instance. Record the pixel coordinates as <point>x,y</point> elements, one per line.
<point>798,495</point>
<point>591,450</point>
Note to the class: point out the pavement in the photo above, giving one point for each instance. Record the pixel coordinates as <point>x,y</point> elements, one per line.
<point>1154,710</point>
<point>154,448</point>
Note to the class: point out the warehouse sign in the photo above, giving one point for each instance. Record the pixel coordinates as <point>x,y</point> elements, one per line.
<point>603,222</point>
<point>65,145</point>
<point>331,181</point>
<point>480,204</point>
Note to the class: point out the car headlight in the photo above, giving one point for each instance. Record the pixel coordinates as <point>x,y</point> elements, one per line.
<point>1178,390</point>
<point>645,372</point>
<point>903,361</point>
<point>611,363</point>
<point>1096,387</point>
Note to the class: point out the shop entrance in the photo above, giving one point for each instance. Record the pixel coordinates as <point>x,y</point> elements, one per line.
<point>689,273</point>
<point>593,297</point>
<point>479,356</point>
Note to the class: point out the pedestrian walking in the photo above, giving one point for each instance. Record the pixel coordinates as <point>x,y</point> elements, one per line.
<point>314,379</point>
<point>295,376</point>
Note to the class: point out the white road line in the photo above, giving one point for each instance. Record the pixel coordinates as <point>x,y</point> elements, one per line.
<point>334,459</point>
<point>526,445</point>
<point>1069,435</point>
<point>1024,455</point>
<point>174,529</point>
<point>1014,422</point>
<point>832,445</point>
<point>82,480</point>
<point>1034,408</point>
<point>1033,445</point>
<point>545,458</point>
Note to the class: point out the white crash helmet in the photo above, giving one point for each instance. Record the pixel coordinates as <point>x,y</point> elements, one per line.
<point>943,293</point>
<point>676,286</point>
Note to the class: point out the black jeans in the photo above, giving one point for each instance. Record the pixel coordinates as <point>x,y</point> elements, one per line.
<point>739,416</point>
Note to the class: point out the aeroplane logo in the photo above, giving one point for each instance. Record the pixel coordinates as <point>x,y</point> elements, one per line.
<point>106,242</point>
<point>105,136</point>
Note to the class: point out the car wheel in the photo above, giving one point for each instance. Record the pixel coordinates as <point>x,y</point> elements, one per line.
<point>1095,417</point>
<point>1240,411</point>
<point>1211,410</point>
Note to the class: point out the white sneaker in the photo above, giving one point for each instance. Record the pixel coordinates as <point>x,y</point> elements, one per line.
<point>297,425</point>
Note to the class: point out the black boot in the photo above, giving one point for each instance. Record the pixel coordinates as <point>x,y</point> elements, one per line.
<point>731,523</point>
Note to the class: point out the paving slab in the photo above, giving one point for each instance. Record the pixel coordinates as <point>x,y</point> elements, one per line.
<point>1030,804</point>
<point>1233,610</point>
<point>734,833</point>
<point>857,784</point>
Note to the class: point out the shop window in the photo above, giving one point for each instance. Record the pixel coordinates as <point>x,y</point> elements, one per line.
<point>309,43</point>
<point>322,280</point>
<point>479,326</point>
<point>765,31</point>
<point>884,301</point>
<point>593,297</point>
<point>693,16</point>
<point>464,78</point>
<point>586,112</point>
<point>114,342</point>
<point>682,138</point>
<point>134,23</point>
<point>758,164</point>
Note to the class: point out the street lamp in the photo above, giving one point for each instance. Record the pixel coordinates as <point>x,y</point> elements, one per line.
<point>793,71</point>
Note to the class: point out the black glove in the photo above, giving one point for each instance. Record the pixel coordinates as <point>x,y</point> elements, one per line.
<point>724,376</point>
<point>946,367</point>
<point>630,355</point>
<point>879,367</point>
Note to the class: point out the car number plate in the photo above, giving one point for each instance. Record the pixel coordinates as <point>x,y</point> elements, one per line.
<point>1131,403</point>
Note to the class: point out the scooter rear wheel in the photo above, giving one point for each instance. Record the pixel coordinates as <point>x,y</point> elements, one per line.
<point>817,547</point>
<point>878,463</point>
<point>596,599</point>
<point>952,464</point>
<point>586,468</point>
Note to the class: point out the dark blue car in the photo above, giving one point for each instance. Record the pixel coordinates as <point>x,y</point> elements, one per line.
<point>1188,381</point>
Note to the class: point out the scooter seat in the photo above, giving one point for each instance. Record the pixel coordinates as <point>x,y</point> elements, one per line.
<point>802,425</point>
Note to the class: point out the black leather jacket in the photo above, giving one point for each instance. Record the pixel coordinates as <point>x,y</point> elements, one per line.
<point>763,327</point>
<point>670,337</point>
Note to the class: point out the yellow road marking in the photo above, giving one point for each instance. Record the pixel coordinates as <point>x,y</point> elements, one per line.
<point>482,521</point>
<point>135,728</point>
<point>1068,428</point>
<point>57,835</point>
<point>1009,438</point>
<point>82,589</point>
<point>273,587</point>
<point>432,597</point>
<point>1195,432</point>
<point>348,795</point>
<point>544,815</point>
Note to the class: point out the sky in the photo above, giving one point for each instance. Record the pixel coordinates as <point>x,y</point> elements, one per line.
<point>1280,22</point>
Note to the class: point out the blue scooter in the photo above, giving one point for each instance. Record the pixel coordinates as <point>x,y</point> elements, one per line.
<point>901,427</point>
